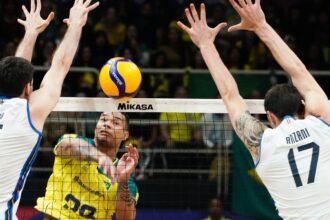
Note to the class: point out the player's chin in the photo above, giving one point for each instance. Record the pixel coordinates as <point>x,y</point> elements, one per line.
<point>103,140</point>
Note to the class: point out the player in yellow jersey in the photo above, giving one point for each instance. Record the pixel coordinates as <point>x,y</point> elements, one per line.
<point>88,181</point>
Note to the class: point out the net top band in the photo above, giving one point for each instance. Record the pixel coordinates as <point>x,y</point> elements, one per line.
<point>150,105</point>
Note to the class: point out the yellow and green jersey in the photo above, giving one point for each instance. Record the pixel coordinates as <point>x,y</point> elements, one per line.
<point>79,190</point>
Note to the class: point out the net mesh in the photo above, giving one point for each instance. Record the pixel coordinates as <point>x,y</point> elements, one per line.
<point>186,158</point>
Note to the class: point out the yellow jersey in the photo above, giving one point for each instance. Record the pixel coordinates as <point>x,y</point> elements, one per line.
<point>79,190</point>
<point>181,132</point>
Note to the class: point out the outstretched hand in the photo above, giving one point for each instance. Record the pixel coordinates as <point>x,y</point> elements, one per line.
<point>79,12</point>
<point>125,167</point>
<point>33,21</point>
<point>251,15</point>
<point>199,32</point>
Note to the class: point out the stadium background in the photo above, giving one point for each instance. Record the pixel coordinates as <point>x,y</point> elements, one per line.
<point>146,32</point>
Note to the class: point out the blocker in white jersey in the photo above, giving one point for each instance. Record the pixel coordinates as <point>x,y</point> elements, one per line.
<point>18,137</point>
<point>295,162</point>
<point>294,165</point>
<point>19,141</point>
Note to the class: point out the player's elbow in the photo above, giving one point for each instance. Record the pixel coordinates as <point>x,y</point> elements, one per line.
<point>298,67</point>
<point>55,94</point>
<point>52,84</point>
<point>302,67</point>
<point>62,64</point>
<point>63,149</point>
<point>229,93</point>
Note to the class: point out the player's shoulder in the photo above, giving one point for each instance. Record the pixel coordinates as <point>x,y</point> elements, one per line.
<point>268,132</point>
<point>13,101</point>
<point>311,119</point>
<point>15,107</point>
<point>269,136</point>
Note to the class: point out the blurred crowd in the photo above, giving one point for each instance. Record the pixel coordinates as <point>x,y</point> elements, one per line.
<point>146,32</point>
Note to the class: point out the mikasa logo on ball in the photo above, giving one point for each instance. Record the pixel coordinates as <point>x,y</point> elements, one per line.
<point>128,106</point>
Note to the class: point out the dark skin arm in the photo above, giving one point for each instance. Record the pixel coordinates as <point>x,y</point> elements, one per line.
<point>79,149</point>
<point>125,204</point>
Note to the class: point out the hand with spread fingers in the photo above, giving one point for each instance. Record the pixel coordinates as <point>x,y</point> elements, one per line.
<point>79,12</point>
<point>199,32</point>
<point>251,15</point>
<point>33,21</point>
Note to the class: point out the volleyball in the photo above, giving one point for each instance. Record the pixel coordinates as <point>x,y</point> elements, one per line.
<point>120,78</point>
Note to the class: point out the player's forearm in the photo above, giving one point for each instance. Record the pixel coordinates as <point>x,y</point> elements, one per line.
<point>66,51</point>
<point>280,50</point>
<point>125,205</point>
<point>288,60</point>
<point>78,149</point>
<point>221,75</point>
<point>26,46</point>
<point>224,81</point>
<point>62,60</point>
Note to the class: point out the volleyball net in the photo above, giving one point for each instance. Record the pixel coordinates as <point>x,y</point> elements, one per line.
<point>186,146</point>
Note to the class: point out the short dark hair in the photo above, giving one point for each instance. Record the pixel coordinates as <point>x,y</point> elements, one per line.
<point>126,116</point>
<point>284,99</point>
<point>15,73</point>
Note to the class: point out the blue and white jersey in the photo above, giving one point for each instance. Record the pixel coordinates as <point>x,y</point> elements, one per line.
<point>294,165</point>
<point>19,141</point>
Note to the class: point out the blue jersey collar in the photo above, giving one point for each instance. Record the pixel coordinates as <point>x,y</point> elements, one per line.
<point>289,117</point>
<point>5,97</point>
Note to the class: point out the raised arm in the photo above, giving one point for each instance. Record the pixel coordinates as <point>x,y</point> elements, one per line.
<point>34,25</point>
<point>253,19</point>
<point>247,127</point>
<point>42,101</point>
<point>79,149</point>
<point>125,204</point>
